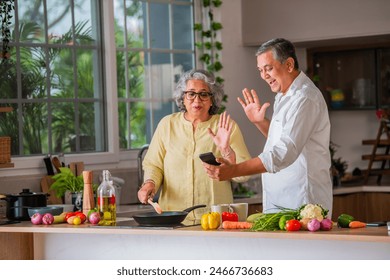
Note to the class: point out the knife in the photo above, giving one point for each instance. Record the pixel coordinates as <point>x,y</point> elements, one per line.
<point>49,167</point>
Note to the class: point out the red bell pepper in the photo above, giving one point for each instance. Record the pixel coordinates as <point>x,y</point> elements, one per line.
<point>229,216</point>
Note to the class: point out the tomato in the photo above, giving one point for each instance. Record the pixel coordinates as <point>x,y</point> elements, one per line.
<point>68,215</point>
<point>82,217</point>
<point>283,220</point>
<point>293,225</point>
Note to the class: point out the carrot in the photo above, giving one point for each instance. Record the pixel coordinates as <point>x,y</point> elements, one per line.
<point>356,224</point>
<point>236,225</point>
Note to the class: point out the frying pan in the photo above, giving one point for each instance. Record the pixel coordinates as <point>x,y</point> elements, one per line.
<point>166,218</point>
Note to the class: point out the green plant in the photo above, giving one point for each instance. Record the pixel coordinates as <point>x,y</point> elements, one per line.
<point>6,8</point>
<point>208,45</point>
<point>339,166</point>
<point>240,189</point>
<point>67,181</point>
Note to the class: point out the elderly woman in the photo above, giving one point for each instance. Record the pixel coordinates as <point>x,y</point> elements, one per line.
<point>172,160</point>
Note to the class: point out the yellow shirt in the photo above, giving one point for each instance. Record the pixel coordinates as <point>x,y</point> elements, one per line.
<point>172,161</point>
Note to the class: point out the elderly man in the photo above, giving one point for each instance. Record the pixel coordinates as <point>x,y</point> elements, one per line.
<point>295,162</point>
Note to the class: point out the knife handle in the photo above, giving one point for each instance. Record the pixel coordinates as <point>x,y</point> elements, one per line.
<point>49,166</point>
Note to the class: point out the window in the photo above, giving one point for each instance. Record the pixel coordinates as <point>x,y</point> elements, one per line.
<point>52,79</point>
<point>155,44</point>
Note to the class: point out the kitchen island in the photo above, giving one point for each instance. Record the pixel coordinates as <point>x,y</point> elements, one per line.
<point>66,242</point>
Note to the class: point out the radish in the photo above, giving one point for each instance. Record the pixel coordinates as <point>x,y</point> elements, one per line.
<point>313,225</point>
<point>326,224</point>
<point>47,219</point>
<point>94,218</point>
<point>36,219</point>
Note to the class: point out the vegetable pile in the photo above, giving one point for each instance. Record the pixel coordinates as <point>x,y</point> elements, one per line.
<point>72,218</point>
<point>212,221</point>
<point>310,217</point>
<point>347,221</point>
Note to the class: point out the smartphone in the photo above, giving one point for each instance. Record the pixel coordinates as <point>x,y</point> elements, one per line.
<point>209,158</point>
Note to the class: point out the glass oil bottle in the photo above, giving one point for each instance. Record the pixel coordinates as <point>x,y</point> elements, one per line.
<point>106,201</point>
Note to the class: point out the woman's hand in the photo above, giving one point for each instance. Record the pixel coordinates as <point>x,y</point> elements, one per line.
<point>146,192</point>
<point>222,137</point>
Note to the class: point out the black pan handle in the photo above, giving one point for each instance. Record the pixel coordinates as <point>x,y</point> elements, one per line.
<point>194,207</point>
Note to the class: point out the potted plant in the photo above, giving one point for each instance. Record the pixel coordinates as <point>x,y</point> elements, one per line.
<point>339,166</point>
<point>69,186</point>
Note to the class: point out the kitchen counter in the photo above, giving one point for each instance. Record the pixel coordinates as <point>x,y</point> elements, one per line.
<point>360,189</point>
<point>62,241</point>
<point>365,203</point>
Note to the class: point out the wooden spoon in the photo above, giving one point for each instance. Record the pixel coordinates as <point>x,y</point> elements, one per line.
<point>155,205</point>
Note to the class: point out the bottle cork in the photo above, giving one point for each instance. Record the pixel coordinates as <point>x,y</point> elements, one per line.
<point>88,199</point>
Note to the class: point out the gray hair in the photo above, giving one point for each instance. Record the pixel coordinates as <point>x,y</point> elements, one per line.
<point>281,48</point>
<point>198,74</point>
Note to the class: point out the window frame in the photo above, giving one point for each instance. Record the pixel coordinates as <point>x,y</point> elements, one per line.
<point>113,158</point>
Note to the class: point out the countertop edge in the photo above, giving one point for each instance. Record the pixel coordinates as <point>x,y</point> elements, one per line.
<point>374,234</point>
<point>358,189</point>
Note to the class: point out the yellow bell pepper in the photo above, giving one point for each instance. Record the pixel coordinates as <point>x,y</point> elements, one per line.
<point>211,220</point>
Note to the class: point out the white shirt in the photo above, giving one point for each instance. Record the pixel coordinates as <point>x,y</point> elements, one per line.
<point>296,154</point>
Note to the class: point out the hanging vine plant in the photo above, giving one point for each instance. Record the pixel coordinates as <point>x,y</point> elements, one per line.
<point>208,45</point>
<point>6,14</point>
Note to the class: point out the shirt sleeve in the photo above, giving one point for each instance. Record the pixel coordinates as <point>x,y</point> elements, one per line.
<point>153,163</point>
<point>297,127</point>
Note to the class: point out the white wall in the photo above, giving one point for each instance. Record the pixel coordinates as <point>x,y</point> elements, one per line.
<point>240,71</point>
<point>349,128</point>
<point>310,20</point>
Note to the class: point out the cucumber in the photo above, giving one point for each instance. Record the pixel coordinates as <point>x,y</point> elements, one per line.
<point>283,220</point>
<point>344,219</point>
<point>252,218</point>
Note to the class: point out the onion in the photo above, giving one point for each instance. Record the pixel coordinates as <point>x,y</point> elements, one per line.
<point>326,224</point>
<point>36,219</point>
<point>47,219</point>
<point>313,225</point>
<point>94,218</point>
<point>304,223</point>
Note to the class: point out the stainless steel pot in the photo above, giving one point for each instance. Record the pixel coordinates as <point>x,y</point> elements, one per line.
<point>18,204</point>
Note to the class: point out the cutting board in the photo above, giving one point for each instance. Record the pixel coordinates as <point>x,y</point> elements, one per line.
<point>46,182</point>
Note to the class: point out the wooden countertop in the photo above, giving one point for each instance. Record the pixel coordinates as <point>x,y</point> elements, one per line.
<point>359,189</point>
<point>369,234</point>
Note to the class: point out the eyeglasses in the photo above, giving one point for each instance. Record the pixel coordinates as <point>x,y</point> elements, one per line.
<point>204,96</point>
